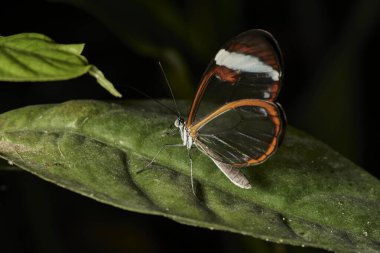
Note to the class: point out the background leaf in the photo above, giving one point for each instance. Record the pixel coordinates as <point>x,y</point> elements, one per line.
<point>36,57</point>
<point>307,194</point>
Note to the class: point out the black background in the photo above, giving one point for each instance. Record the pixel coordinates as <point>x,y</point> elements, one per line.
<point>330,91</point>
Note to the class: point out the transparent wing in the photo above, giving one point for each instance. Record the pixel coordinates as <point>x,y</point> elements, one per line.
<point>241,133</point>
<point>247,67</point>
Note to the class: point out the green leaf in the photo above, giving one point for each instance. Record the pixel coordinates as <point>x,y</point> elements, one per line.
<point>306,194</point>
<point>37,58</point>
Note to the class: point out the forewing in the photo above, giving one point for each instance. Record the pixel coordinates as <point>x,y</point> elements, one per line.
<point>247,67</point>
<point>241,133</point>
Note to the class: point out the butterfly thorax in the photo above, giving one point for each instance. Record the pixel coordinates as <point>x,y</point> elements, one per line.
<point>184,131</point>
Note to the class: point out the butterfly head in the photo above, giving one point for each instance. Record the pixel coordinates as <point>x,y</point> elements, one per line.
<point>179,122</point>
<point>185,134</point>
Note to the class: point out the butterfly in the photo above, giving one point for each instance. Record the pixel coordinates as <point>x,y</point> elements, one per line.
<point>234,118</point>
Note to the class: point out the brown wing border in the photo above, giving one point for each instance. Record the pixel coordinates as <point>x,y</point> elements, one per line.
<point>274,111</point>
<point>231,75</point>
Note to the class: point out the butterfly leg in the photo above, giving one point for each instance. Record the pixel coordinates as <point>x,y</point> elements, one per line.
<point>191,171</point>
<point>156,155</point>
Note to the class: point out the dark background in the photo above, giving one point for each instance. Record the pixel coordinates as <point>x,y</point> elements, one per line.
<point>330,91</point>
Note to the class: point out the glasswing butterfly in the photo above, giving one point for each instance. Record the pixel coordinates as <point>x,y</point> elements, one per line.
<point>234,118</point>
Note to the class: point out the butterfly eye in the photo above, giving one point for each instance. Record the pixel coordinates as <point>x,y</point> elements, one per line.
<point>176,123</point>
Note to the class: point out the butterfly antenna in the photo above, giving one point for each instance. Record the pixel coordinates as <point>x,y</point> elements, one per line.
<point>170,88</point>
<point>155,100</point>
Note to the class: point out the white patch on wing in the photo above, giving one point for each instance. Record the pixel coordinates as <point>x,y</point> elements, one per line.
<point>243,62</point>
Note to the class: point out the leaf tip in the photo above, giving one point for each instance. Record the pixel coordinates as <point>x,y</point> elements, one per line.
<point>102,80</point>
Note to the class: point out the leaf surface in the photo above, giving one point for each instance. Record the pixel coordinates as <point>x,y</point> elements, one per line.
<point>34,57</point>
<point>306,194</point>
